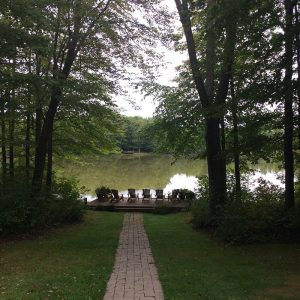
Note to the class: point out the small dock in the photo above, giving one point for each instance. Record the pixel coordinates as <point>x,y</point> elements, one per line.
<point>137,206</point>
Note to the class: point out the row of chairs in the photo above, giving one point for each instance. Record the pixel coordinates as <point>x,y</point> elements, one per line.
<point>146,195</point>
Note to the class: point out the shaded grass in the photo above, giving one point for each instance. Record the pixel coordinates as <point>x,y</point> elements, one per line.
<point>192,265</point>
<point>73,262</point>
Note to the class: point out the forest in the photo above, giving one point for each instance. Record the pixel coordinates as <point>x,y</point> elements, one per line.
<point>236,99</point>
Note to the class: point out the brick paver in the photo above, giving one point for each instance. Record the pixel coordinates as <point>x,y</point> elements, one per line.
<point>134,275</point>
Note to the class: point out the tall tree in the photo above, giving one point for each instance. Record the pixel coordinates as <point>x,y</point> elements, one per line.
<point>211,94</point>
<point>288,106</point>
<point>297,44</point>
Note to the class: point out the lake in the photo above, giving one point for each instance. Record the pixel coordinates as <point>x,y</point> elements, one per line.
<point>138,171</point>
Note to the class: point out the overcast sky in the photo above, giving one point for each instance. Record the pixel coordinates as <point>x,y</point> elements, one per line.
<point>146,107</point>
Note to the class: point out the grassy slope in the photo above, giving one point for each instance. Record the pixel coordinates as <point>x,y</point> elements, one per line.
<point>74,262</point>
<point>193,266</point>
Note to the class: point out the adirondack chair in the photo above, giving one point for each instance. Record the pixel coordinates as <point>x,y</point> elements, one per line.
<point>115,196</point>
<point>173,197</point>
<point>132,196</point>
<point>159,195</point>
<point>146,195</point>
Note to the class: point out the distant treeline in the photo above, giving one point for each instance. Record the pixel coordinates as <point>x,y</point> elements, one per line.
<point>137,135</point>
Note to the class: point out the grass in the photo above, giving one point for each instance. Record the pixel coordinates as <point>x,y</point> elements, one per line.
<point>73,262</point>
<point>192,265</point>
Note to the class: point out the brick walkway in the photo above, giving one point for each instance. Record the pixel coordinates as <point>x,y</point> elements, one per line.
<point>134,275</point>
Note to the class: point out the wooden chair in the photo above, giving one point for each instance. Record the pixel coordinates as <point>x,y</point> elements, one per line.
<point>115,196</point>
<point>159,195</point>
<point>173,197</point>
<point>146,195</point>
<point>132,196</point>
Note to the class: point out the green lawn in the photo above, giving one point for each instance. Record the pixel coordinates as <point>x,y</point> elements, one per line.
<point>73,262</point>
<point>191,265</point>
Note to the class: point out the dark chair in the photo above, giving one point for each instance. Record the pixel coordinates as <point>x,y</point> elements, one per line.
<point>159,195</point>
<point>132,196</point>
<point>146,195</point>
<point>173,197</point>
<point>115,196</point>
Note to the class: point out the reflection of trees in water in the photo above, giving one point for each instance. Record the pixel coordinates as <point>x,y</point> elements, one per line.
<point>125,171</point>
<point>137,171</point>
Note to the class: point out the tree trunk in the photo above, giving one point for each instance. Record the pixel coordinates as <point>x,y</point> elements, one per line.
<point>288,107</point>
<point>236,150</point>
<point>27,141</point>
<point>297,44</point>
<point>38,120</point>
<point>49,161</point>
<point>38,107</point>
<point>215,162</point>
<point>215,157</point>
<point>41,149</point>
<point>3,139</point>
<point>11,130</point>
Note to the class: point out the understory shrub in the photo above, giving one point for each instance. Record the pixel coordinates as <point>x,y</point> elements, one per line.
<point>259,216</point>
<point>21,213</point>
<point>102,192</point>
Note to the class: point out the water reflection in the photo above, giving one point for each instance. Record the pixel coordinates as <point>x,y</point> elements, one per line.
<point>274,177</point>
<point>140,171</point>
<point>181,181</point>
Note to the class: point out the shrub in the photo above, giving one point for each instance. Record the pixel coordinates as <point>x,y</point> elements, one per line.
<point>20,212</point>
<point>201,216</point>
<point>66,204</point>
<point>259,216</point>
<point>102,192</point>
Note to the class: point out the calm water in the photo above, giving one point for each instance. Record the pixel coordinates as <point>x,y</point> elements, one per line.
<point>141,171</point>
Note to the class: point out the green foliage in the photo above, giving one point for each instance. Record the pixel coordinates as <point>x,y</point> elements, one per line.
<point>259,217</point>
<point>20,212</point>
<point>65,204</point>
<point>201,215</point>
<point>16,206</point>
<point>177,125</point>
<point>102,192</point>
<point>187,196</point>
<point>136,135</point>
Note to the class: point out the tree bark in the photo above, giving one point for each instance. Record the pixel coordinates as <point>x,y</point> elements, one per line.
<point>236,150</point>
<point>11,130</point>
<point>210,50</point>
<point>38,107</point>
<point>27,140</point>
<point>215,162</point>
<point>3,139</point>
<point>288,107</point>
<point>62,66</point>
<point>49,161</point>
<point>214,109</point>
<point>56,93</point>
<point>297,44</point>
<point>45,135</point>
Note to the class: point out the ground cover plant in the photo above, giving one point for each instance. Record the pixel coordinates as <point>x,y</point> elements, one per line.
<point>73,262</point>
<point>192,265</point>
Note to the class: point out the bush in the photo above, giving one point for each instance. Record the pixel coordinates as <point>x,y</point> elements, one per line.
<point>66,204</point>
<point>20,212</point>
<point>102,192</point>
<point>259,216</point>
<point>201,216</point>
